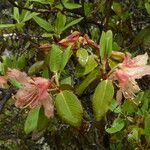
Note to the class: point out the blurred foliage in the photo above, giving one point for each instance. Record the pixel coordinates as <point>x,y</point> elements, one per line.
<point>29,34</point>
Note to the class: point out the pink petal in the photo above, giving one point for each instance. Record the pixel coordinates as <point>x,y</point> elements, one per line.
<point>128,62</point>
<point>48,106</point>
<point>141,59</point>
<point>20,76</point>
<point>26,95</point>
<point>121,76</point>
<point>42,85</point>
<point>138,72</point>
<point>3,82</point>
<point>129,89</point>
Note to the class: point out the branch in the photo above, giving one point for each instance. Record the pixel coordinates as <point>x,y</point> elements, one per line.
<point>46,10</point>
<point>33,9</point>
<point>7,95</point>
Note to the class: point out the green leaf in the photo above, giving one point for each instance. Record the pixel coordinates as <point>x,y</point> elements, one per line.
<point>65,57</point>
<point>116,47</point>
<point>45,73</point>
<point>36,67</point>
<point>117,8</point>
<point>147,128</point>
<point>16,14</point>
<point>15,83</point>
<point>147,6</point>
<point>102,45</point>
<point>129,107</point>
<point>139,97</point>
<point>14,61</point>
<point>102,98</point>
<point>43,23</point>
<point>42,120</point>
<point>7,61</point>
<point>115,106</point>
<point>32,120</point>
<point>19,25</point>
<point>117,125</point>
<point>2,69</point>
<point>27,16</point>
<point>82,56</point>
<point>21,62</point>
<point>86,82</point>
<point>67,80</point>
<point>72,5</point>
<point>69,108</point>
<point>2,26</point>
<point>88,8</point>
<point>55,58</point>
<point>60,22</point>
<point>145,101</point>
<point>106,43</point>
<point>90,65</point>
<point>109,43</point>
<point>76,21</point>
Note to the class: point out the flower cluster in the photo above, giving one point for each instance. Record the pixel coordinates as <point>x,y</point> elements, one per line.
<point>34,91</point>
<point>126,74</point>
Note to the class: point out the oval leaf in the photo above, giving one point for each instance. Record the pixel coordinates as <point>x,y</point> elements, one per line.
<point>109,43</point>
<point>72,23</point>
<point>43,23</point>
<point>55,58</point>
<point>36,67</point>
<point>102,45</point>
<point>15,83</point>
<point>102,98</point>
<point>106,43</point>
<point>147,6</point>
<point>7,26</point>
<point>21,62</point>
<point>42,120</point>
<point>65,57</point>
<point>32,120</point>
<point>72,5</point>
<point>83,56</point>
<point>69,108</point>
<point>86,82</point>
<point>90,66</point>
<point>117,125</point>
<point>60,22</point>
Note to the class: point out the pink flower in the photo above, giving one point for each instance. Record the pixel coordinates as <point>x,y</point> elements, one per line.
<point>34,93</point>
<point>127,72</point>
<point>3,82</point>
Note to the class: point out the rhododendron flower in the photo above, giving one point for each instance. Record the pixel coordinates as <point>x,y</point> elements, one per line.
<point>127,72</point>
<point>33,92</point>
